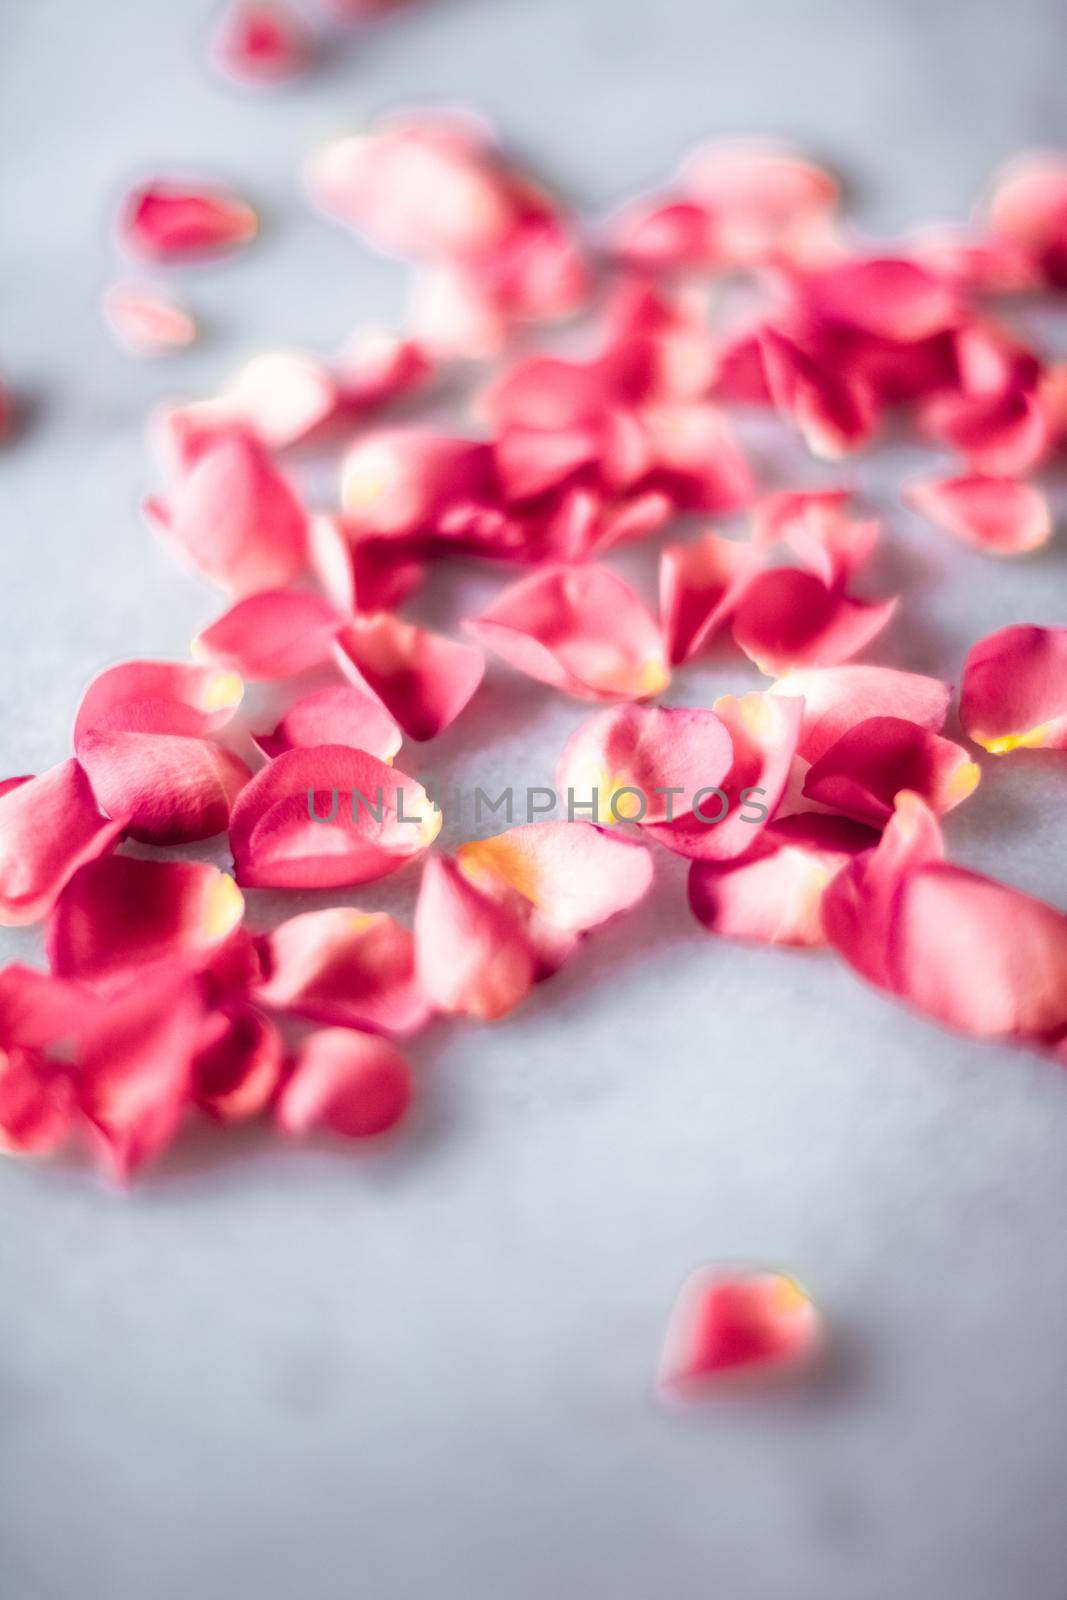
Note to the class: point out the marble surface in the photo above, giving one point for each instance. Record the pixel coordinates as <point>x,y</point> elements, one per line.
<point>426,1371</point>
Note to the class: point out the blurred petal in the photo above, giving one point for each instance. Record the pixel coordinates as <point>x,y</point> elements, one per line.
<point>812,525</point>
<point>833,411</point>
<point>327,818</point>
<point>260,41</point>
<point>642,749</point>
<point>580,629</point>
<point>700,585</point>
<point>764,198</point>
<point>1014,694</point>
<point>401,480</point>
<point>158,697</point>
<point>275,634</point>
<point>1028,207</point>
<point>573,874</point>
<point>998,515</point>
<point>837,698</point>
<point>472,958</point>
<point>282,396</point>
<point>238,1063</point>
<point>124,912</point>
<point>166,221</point>
<point>147,321</point>
<point>423,679</point>
<point>736,1323</point>
<point>49,827</point>
<point>351,968</point>
<point>36,1102</point>
<point>788,618</point>
<point>337,715</point>
<point>862,774</point>
<point>347,1083</point>
<point>1000,434</point>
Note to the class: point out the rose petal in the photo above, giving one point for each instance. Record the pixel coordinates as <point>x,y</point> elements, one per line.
<point>887,297</point>
<point>123,912</point>
<point>375,367</point>
<point>1014,694</point>
<point>725,820</point>
<point>774,894</point>
<point>37,1009</point>
<point>616,765</point>
<point>835,699</point>
<point>36,1102</point>
<point>354,969</point>
<point>998,434</point>
<point>49,827</point>
<point>363,572</point>
<point>700,585</point>
<point>282,396</point>
<point>147,321</point>
<point>234,518</point>
<point>1028,207</point>
<point>471,957</point>
<point>736,1323</point>
<point>812,526</point>
<point>423,679</point>
<point>158,697</point>
<point>573,874</point>
<point>168,221</point>
<point>260,41</point>
<point>401,480</point>
<point>834,413</point>
<point>862,774</point>
<point>347,1083</point>
<point>764,198</point>
<point>998,515</point>
<point>134,1067</point>
<point>169,789</point>
<point>238,1064</point>
<point>788,618</point>
<point>580,629</point>
<point>327,818</point>
<point>275,634</point>
<point>337,715</point>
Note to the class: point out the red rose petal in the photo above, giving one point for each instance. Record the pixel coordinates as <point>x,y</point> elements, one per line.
<point>736,1323</point>
<point>700,586</point>
<point>275,634</point>
<point>347,1083</point>
<point>862,774</point>
<point>1014,694</point>
<point>788,618</point>
<point>124,912</point>
<point>158,697</point>
<point>260,41</point>
<point>835,699</point>
<point>580,629</point>
<point>293,827</point>
<point>337,715</point>
<point>773,895</point>
<point>350,968</point>
<point>999,434</point>
<point>166,221</point>
<point>234,518</point>
<point>238,1063</point>
<point>169,789</point>
<point>833,411</point>
<point>471,957</point>
<point>623,756</point>
<point>49,827</point>
<point>363,572</point>
<point>423,679</point>
<point>998,515</point>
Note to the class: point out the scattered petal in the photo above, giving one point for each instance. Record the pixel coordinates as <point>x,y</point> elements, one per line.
<point>732,1324</point>
<point>158,697</point>
<point>337,715</point>
<point>862,774</point>
<point>1014,693</point>
<point>274,634</point>
<point>166,221</point>
<point>998,515</point>
<point>169,788</point>
<point>49,827</point>
<point>574,875</point>
<point>700,586</point>
<point>147,321</point>
<point>472,957</point>
<point>353,969</point>
<point>347,1083</point>
<point>422,679</point>
<point>642,763</point>
<point>238,1063</point>
<point>788,618</point>
<point>261,41</point>
<point>835,699</point>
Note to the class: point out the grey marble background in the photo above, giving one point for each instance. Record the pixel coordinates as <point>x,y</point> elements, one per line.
<point>426,1372</point>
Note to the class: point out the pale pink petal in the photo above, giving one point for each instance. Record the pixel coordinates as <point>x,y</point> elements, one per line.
<point>998,515</point>
<point>124,912</point>
<point>422,679</point>
<point>282,396</point>
<point>238,1063</point>
<point>337,715</point>
<point>169,788</point>
<point>835,699</point>
<point>274,634</point>
<point>580,629</point>
<point>734,1325</point>
<point>168,221</point>
<point>862,774</point>
<point>147,321</point>
<point>261,41</point>
<point>764,199</point>
<point>664,234</point>
<point>375,367</point>
<point>695,457</point>
<point>401,480</point>
<point>788,618</point>
<point>812,525</point>
<point>724,820</point>
<point>472,958</point>
<point>1028,207</point>
<point>833,411</point>
<point>49,827</point>
<point>773,895</point>
<point>234,518</point>
<point>700,585</point>
<point>620,765</point>
<point>347,1083</point>
<point>574,875</point>
<point>1014,693</point>
<point>158,697</point>
<point>354,969</point>
<point>327,818</point>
